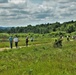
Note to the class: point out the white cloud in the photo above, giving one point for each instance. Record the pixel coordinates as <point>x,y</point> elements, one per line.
<point>16,1</point>
<point>25,12</point>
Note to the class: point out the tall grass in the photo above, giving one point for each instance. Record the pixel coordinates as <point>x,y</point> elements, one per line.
<point>42,59</point>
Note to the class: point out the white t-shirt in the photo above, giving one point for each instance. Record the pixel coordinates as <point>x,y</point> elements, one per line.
<point>15,39</point>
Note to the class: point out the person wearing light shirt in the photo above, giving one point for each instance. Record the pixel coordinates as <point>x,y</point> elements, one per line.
<point>16,41</point>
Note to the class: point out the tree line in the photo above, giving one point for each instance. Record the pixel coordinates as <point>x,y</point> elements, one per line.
<point>68,27</point>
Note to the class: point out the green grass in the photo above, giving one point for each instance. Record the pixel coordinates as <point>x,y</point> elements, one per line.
<point>37,40</point>
<point>41,59</point>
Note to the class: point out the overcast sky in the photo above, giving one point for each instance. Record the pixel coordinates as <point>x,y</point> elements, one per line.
<point>25,12</point>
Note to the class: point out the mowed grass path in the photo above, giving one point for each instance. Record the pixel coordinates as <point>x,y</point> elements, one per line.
<point>41,59</point>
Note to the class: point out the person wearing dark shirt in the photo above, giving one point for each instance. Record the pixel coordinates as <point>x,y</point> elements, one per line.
<point>11,41</point>
<point>27,41</point>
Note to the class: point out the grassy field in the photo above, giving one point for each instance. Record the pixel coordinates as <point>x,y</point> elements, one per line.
<point>40,58</point>
<point>38,39</point>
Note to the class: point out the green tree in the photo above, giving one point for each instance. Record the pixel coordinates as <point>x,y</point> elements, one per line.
<point>71,29</point>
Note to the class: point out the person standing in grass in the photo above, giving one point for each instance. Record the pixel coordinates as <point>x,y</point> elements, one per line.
<point>27,41</point>
<point>11,41</point>
<point>16,41</point>
<point>31,39</point>
<point>68,38</point>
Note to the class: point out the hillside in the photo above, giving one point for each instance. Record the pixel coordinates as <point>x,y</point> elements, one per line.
<point>68,27</point>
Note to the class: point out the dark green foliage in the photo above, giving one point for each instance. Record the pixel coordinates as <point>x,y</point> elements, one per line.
<point>68,27</point>
<point>58,43</point>
<point>71,29</point>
